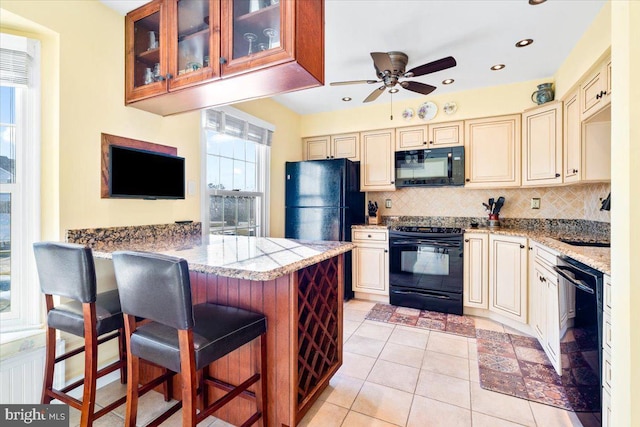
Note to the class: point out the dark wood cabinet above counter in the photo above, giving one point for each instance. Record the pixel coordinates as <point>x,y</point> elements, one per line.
<point>183,55</point>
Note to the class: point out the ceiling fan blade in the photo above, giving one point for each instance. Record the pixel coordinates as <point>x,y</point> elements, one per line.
<point>422,88</point>
<point>375,94</point>
<point>353,82</point>
<point>432,67</point>
<point>382,61</point>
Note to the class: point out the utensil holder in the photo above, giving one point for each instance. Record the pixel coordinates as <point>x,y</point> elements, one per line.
<point>374,220</point>
<point>494,220</point>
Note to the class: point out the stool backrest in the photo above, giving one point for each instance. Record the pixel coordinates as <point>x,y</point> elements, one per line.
<point>155,287</point>
<point>66,269</point>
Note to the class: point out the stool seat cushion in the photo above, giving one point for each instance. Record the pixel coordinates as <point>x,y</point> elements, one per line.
<point>217,331</point>
<point>68,317</point>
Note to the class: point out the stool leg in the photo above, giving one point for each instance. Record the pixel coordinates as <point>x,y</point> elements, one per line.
<point>122,352</point>
<point>188,377</point>
<point>90,364</point>
<point>50,357</point>
<point>263,378</point>
<point>133,365</point>
<point>167,386</point>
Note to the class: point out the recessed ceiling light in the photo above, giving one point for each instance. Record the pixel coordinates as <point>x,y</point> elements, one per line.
<point>447,81</point>
<point>524,42</point>
<point>346,99</point>
<point>394,90</point>
<point>536,2</point>
<point>498,67</point>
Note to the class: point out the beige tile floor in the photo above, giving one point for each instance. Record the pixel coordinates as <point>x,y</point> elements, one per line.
<point>391,376</point>
<point>395,375</point>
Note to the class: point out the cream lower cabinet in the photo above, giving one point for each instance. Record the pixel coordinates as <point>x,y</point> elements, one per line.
<point>476,270</point>
<point>492,152</point>
<point>377,168</point>
<point>508,276</point>
<point>542,145</point>
<point>371,261</point>
<point>545,316</point>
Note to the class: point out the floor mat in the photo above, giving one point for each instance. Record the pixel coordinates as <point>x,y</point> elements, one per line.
<point>425,319</point>
<point>518,366</point>
<point>512,364</point>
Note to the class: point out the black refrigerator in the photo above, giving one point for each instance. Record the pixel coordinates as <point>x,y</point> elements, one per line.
<point>322,201</point>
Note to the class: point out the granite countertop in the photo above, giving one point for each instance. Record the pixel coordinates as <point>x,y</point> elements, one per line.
<point>595,257</point>
<point>243,257</point>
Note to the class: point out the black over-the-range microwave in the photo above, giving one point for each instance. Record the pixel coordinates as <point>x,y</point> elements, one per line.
<point>430,167</point>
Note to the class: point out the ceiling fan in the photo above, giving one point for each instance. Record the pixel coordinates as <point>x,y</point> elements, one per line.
<point>390,68</point>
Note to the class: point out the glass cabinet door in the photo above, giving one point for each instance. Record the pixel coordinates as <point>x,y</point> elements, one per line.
<point>256,26</point>
<point>146,50</point>
<point>194,58</point>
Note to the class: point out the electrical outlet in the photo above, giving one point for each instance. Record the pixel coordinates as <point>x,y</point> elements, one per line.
<point>387,203</point>
<point>535,203</point>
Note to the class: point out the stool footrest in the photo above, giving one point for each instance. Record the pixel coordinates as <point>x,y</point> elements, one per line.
<point>101,373</point>
<point>246,394</point>
<point>81,349</point>
<point>227,397</point>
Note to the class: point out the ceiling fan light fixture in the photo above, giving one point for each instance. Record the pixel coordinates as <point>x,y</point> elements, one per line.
<point>394,90</point>
<point>498,67</point>
<point>524,42</point>
<point>447,81</point>
<point>346,98</point>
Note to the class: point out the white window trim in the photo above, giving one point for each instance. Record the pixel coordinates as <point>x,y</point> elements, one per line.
<point>263,167</point>
<point>28,313</point>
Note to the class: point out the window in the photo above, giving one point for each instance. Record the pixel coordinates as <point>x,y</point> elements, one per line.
<point>236,179</point>
<point>19,181</point>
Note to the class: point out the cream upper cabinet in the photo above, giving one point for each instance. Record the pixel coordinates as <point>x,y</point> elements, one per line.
<point>346,146</point>
<point>492,152</point>
<point>542,145</point>
<point>476,270</point>
<point>572,141</point>
<point>343,146</point>
<point>448,134</point>
<point>317,148</point>
<point>508,276</point>
<point>377,160</point>
<point>412,137</point>
<point>596,90</point>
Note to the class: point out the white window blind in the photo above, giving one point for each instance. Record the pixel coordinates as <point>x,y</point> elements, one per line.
<point>15,61</point>
<point>231,125</point>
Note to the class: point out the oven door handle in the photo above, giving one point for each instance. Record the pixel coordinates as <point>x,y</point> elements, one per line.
<point>580,284</point>
<point>431,294</point>
<point>434,243</point>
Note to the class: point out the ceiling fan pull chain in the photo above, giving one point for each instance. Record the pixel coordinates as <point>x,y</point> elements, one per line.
<point>391,105</point>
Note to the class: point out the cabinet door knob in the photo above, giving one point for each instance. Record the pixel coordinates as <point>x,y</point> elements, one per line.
<point>557,175</point>
<point>223,60</point>
<point>521,246</point>
<point>575,171</point>
<point>161,78</point>
<point>466,240</point>
<point>327,157</point>
<point>169,76</point>
<point>430,142</point>
<point>468,180</point>
<point>530,248</point>
<point>386,251</point>
<point>393,182</point>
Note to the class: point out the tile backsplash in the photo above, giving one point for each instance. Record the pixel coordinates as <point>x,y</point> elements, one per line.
<point>580,201</point>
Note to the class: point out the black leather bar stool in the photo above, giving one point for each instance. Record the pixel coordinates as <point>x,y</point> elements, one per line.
<point>68,270</point>
<point>182,337</point>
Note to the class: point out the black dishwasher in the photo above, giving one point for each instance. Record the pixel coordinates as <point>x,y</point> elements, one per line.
<point>583,346</point>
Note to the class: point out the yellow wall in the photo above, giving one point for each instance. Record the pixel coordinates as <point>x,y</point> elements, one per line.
<point>285,147</point>
<point>484,102</point>
<point>625,231</point>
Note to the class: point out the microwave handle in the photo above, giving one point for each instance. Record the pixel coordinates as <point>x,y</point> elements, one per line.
<point>449,165</point>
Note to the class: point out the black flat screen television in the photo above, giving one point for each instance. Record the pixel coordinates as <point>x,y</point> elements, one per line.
<point>140,174</point>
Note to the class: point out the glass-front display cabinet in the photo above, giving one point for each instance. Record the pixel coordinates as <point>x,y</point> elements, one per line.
<point>170,44</point>
<point>253,34</point>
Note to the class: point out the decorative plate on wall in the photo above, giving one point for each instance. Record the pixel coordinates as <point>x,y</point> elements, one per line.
<point>450,108</point>
<point>408,114</point>
<point>427,110</point>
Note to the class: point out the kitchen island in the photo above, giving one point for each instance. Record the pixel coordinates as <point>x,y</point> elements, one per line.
<point>297,285</point>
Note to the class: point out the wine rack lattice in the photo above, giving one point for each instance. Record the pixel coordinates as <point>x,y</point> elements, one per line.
<point>317,324</point>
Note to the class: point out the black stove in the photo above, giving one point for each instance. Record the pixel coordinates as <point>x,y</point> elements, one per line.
<point>430,230</point>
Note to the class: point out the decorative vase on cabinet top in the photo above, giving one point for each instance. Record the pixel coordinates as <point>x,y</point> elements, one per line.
<point>543,94</point>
